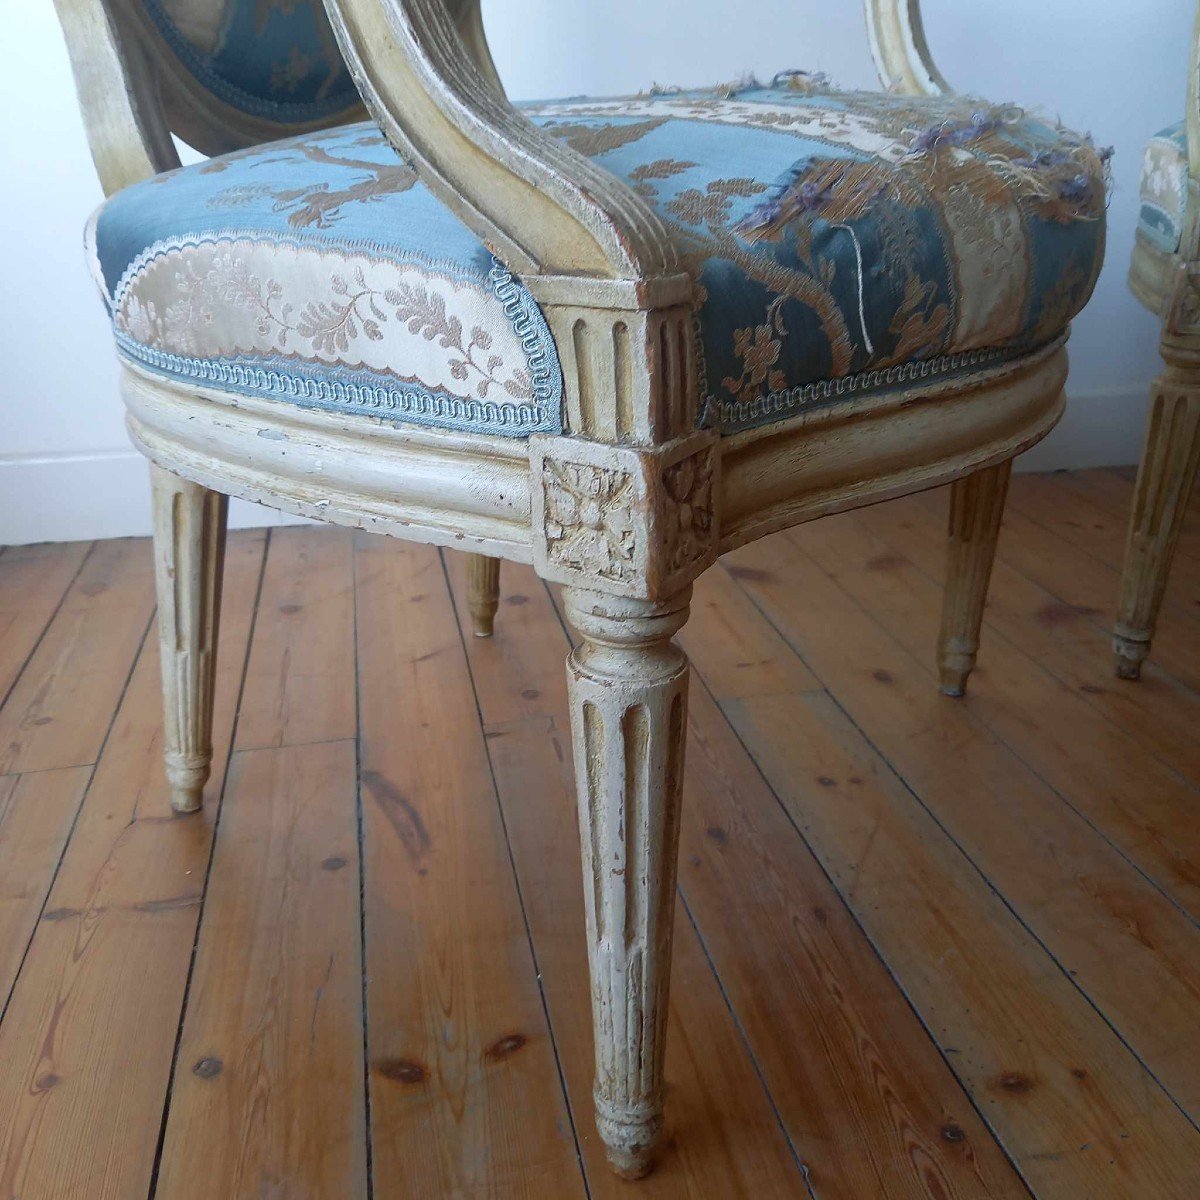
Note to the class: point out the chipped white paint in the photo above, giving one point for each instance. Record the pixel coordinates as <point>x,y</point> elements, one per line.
<point>628,691</point>
<point>626,508</point>
<point>1168,284</point>
<point>976,509</point>
<point>189,554</point>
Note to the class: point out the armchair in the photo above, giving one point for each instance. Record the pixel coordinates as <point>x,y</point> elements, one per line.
<point>1165,276</point>
<point>611,338</point>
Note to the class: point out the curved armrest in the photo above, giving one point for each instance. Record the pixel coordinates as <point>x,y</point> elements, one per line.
<point>900,50</point>
<point>541,206</point>
<point>128,137</point>
<point>1193,103</point>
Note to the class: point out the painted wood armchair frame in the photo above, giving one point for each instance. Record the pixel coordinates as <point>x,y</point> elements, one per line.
<point>606,274</point>
<point>1169,284</point>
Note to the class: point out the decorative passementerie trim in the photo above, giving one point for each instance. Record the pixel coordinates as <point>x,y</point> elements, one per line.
<point>731,415</point>
<point>409,402</point>
<point>343,326</point>
<point>282,112</point>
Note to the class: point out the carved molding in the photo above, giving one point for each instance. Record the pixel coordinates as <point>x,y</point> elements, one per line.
<point>629,363</point>
<point>626,520</point>
<point>189,548</point>
<point>1182,315</point>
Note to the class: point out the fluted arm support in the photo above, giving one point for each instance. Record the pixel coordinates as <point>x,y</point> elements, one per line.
<point>900,50</point>
<point>541,206</point>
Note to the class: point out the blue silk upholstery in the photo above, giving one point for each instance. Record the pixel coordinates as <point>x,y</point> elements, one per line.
<point>1164,188</point>
<point>843,244</point>
<point>276,59</point>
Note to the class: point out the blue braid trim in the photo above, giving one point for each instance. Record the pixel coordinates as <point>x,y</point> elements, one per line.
<point>358,392</point>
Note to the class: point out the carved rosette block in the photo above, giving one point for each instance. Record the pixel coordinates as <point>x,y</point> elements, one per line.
<point>189,553</point>
<point>1164,485</point>
<point>622,519</point>
<point>628,692</point>
<point>976,510</point>
<point>483,593</point>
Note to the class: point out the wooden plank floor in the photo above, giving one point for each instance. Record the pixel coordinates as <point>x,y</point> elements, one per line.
<point>924,948</point>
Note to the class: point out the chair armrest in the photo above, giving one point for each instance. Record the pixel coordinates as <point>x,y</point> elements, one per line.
<point>542,207</point>
<point>1193,104</point>
<point>900,50</point>
<point>122,115</point>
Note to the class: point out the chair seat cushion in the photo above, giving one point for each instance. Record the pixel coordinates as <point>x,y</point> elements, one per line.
<point>842,243</point>
<point>1164,188</point>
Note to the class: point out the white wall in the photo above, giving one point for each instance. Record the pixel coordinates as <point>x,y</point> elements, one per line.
<point>1117,69</point>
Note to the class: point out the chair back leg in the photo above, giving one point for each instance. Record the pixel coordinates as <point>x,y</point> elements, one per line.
<point>483,593</point>
<point>976,510</point>
<point>1164,486</point>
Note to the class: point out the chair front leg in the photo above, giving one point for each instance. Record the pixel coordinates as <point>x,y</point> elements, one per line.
<point>189,553</point>
<point>628,692</point>
<point>1164,486</point>
<point>483,593</point>
<point>976,510</point>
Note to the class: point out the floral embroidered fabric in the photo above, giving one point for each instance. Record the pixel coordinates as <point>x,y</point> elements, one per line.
<point>276,59</point>
<point>1164,188</point>
<point>843,243</point>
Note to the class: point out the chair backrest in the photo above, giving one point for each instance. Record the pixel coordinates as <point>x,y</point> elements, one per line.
<point>235,72</point>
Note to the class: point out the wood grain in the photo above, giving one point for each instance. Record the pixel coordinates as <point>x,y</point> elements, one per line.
<point>59,711</point>
<point>1041,1063</point>
<point>36,814</point>
<point>91,1027</point>
<point>1087,903</point>
<point>465,1094</point>
<point>1163,715</point>
<point>300,678</point>
<point>722,1134</point>
<point>1101,745</point>
<point>789,988</point>
<point>268,1096</point>
<point>33,581</point>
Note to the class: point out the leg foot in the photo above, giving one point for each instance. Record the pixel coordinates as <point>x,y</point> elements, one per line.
<point>976,509</point>
<point>483,593</point>
<point>628,691</point>
<point>189,552</point>
<point>1160,499</point>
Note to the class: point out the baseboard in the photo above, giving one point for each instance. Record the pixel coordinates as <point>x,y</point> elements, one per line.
<point>1101,429</point>
<point>103,493</point>
<point>96,494</point>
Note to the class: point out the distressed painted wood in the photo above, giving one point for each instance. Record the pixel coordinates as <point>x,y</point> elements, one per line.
<point>483,593</point>
<point>900,50</point>
<point>626,508</point>
<point>628,696</point>
<point>976,510</point>
<point>189,561</point>
<point>970,962</point>
<point>1164,485</point>
<point>1169,285</point>
<point>114,945</point>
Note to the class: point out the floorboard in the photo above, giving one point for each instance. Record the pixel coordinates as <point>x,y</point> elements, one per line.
<point>924,949</point>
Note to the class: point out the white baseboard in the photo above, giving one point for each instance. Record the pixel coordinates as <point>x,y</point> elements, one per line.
<point>98,494</point>
<point>1101,429</point>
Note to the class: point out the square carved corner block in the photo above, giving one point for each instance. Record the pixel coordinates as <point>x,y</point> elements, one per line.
<point>640,521</point>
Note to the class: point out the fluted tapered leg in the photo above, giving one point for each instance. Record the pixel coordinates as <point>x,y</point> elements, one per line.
<point>483,592</point>
<point>189,552</point>
<point>976,509</point>
<point>1164,485</point>
<point>628,690</point>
